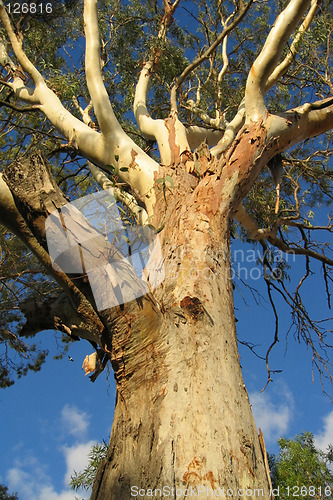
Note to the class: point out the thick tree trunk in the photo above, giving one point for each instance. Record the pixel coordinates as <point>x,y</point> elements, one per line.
<point>183,420</point>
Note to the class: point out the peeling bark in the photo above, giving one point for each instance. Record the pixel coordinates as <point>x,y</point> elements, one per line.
<point>183,418</point>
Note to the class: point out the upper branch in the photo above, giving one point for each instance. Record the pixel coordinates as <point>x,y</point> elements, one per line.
<point>264,65</point>
<point>301,123</point>
<point>17,47</point>
<point>100,99</point>
<point>281,69</point>
<point>149,127</point>
<point>199,60</point>
<point>145,122</point>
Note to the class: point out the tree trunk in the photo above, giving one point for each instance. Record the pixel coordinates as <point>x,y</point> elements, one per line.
<point>183,420</point>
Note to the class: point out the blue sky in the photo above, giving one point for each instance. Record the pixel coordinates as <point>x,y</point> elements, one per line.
<point>50,420</point>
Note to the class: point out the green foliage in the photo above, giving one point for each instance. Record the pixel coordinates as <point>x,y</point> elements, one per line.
<point>55,44</point>
<point>301,464</point>
<point>20,277</point>
<point>84,480</point>
<point>4,495</point>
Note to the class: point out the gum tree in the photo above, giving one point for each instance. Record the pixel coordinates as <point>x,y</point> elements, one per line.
<point>223,106</point>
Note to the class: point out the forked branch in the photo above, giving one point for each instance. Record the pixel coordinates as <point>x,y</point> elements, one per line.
<point>265,63</point>
<point>199,60</point>
<point>103,110</point>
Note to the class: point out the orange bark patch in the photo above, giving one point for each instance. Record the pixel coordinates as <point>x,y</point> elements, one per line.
<point>174,148</point>
<point>195,475</point>
<point>209,476</point>
<point>208,195</point>
<point>133,163</point>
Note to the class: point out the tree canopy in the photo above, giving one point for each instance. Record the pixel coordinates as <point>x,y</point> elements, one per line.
<point>197,51</point>
<point>207,122</point>
<point>301,467</point>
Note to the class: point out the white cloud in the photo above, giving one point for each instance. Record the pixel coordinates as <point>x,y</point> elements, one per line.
<point>325,436</point>
<point>48,493</point>
<point>74,421</point>
<point>28,477</point>
<point>272,416</point>
<point>76,458</point>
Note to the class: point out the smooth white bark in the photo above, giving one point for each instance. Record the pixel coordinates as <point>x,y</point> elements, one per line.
<point>196,135</point>
<point>265,63</point>
<point>281,69</point>
<point>301,123</point>
<point>139,213</point>
<point>230,132</point>
<point>103,110</point>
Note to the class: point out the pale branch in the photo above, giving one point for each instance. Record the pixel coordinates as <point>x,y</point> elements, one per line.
<point>87,141</point>
<point>202,58</point>
<point>152,129</point>
<point>68,125</point>
<point>224,68</point>
<point>17,85</point>
<point>196,135</point>
<point>268,58</point>
<point>85,112</point>
<point>127,199</point>
<point>281,69</point>
<point>219,122</point>
<point>250,225</point>
<point>102,107</point>
<point>17,47</point>
<point>147,125</point>
<point>157,129</point>
<point>231,131</point>
<point>301,123</point>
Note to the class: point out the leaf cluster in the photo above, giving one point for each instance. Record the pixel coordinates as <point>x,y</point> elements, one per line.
<point>301,464</point>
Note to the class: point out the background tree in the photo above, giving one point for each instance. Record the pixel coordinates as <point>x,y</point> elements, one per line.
<point>4,495</point>
<point>301,465</point>
<point>182,417</point>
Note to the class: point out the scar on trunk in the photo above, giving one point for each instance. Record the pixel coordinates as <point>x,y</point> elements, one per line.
<point>194,309</point>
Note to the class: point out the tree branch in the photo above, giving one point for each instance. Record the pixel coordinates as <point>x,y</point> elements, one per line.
<point>264,65</point>
<point>269,234</point>
<point>199,60</point>
<point>19,108</point>
<point>146,124</point>
<point>231,131</point>
<point>12,219</point>
<point>281,69</point>
<point>103,110</point>
<point>138,212</point>
<point>17,47</point>
<point>92,145</point>
<point>158,129</point>
<point>301,123</point>
<point>17,86</point>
